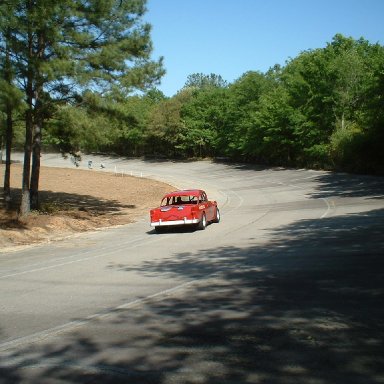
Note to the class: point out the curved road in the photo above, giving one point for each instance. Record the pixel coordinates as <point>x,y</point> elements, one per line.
<point>287,288</point>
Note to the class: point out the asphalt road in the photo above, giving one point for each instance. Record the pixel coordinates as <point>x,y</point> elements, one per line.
<point>287,288</point>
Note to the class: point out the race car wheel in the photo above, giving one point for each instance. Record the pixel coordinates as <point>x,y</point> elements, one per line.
<point>202,223</point>
<point>217,217</point>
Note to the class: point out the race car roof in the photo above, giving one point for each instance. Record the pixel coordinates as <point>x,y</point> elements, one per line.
<point>184,192</point>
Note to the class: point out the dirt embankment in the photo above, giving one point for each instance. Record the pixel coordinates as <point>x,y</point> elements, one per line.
<point>75,201</point>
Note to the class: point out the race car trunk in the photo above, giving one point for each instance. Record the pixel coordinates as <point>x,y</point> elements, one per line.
<point>174,215</point>
<point>175,212</point>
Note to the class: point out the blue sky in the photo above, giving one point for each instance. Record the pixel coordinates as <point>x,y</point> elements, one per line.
<point>231,37</point>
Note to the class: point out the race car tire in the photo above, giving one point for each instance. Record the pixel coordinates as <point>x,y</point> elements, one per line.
<point>202,223</point>
<point>217,216</point>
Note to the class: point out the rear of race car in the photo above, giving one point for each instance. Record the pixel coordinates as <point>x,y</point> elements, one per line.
<point>171,215</point>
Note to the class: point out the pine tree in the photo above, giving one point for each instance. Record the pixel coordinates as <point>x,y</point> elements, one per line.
<point>10,97</point>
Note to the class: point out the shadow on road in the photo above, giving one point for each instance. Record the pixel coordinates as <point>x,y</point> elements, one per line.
<point>306,307</point>
<point>347,185</point>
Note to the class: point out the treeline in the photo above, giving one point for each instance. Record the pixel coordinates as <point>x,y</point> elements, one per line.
<point>323,109</point>
<point>84,84</point>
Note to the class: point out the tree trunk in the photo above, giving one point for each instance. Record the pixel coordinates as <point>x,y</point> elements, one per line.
<point>38,123</point>
<point>35,176</point>
<point>25,206</point>
<point>8,146</point>
<point>8,132</point>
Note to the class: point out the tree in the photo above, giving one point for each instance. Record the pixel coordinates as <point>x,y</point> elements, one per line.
<point>10,98</point>
<point>201,81</point>
<point>244,100</point>
<point>6,91</point>
<point>270,136</point>
<point>332,89</point>
<point>165,127</point>
<point>205,118</point>
<point>356,143</point>
<point>60,48</point>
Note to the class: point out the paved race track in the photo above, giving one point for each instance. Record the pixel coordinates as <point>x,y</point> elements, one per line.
<point>288,287</point>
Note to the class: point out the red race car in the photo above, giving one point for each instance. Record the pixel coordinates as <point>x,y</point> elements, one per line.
<point>187,207</point>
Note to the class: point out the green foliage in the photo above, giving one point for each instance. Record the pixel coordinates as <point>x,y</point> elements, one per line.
<point>323,109</point>
<point>201,81</point>
<point>72,130</point>
<point>270,135</point>
<point>205,117</point>
<point>342,142</point>
<point>243,132</point>
<point>165,126</point>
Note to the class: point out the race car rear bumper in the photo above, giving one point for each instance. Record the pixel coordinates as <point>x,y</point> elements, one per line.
<point>184,221</point>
